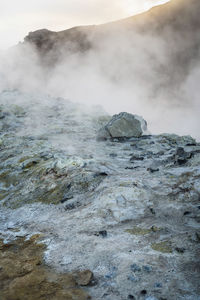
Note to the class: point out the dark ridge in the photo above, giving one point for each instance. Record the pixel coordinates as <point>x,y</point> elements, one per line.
<point>175,23</point>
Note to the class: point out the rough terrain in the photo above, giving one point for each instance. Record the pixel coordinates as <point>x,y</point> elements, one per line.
<point>126,209</point>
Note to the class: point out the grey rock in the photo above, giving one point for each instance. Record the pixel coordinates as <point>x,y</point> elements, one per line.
<point>181,156</point>
<point>103,134</point>
<point>123,125</point>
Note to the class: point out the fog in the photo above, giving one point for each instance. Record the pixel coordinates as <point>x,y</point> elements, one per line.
<point>125,71</point>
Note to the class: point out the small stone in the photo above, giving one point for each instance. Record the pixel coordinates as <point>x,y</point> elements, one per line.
<point>102,233</point>
<point>152,210</point>
<point>70,206</point>
<point>187,213</point>
<point>66,198</point>
<point>131,168</point>
<point>143,292</point>
<point>131,297</point>
<point>155,229</point>
<point>83,278</point>
<point>180,250</point>
<point>104,174</point>
<point>153,169</point>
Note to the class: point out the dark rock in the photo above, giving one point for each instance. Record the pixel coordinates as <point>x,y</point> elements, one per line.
<point>67,198</point>
<point>102,233</point>
<point>180,250</point>
<point>153,169</point>
<point>131,297</point>
<point>136,157</point>
<point>70,206</point>
<point>181,156</point>
<point>187,213</point>
<point>131,168</point>
<point>152,210</point>
<point>100,174</point>
<point>191,144</point>
<point>143,292</point>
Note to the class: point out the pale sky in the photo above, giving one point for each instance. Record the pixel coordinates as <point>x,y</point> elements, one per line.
<point>18,17</point>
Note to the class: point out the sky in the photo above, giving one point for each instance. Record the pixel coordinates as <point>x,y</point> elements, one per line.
<point>18,17</point>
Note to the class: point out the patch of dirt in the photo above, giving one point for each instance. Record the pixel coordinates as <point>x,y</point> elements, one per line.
<point>24,276</point>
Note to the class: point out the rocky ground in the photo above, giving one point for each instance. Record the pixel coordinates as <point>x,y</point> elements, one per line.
<point>125,210</point>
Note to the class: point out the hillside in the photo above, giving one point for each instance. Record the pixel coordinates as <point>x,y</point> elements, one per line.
<point>175,23</point>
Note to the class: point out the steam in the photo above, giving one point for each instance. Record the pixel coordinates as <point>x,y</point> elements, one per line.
<point>124,70</point>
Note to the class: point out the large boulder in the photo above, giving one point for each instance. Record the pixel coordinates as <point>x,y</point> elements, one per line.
<point>123,125</point>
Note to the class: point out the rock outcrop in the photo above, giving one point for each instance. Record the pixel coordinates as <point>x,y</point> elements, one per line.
<point>127,210</point>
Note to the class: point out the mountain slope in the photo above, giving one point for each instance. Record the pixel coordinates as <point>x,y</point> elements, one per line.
<point>172,31</point>
<point>175,19</point>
